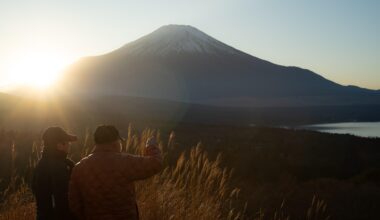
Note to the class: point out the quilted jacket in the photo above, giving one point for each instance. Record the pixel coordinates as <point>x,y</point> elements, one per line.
<point>102,184</point>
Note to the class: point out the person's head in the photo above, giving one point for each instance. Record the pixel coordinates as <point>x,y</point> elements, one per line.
<point>107,135</point>
<point>55,138</point>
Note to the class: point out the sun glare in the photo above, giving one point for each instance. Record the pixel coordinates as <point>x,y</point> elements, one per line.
<point>39,69</point>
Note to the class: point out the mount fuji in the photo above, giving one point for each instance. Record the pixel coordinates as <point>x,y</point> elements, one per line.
<point>181,63</point>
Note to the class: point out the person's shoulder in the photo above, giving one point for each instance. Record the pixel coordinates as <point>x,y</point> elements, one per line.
<point>84,160</point>
<point>42,164</point>
<point>40,167</point>
<point>69,162</point>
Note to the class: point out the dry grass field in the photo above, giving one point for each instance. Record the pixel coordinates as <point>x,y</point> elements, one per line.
<point>221,177</point>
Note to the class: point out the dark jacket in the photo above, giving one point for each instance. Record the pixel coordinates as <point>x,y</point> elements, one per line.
<point>50,186</point>
<point>102,184</point>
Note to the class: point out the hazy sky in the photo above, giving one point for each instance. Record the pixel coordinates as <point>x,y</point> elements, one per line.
<point>338,39</point>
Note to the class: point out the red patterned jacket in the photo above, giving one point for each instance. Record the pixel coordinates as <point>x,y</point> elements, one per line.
<point>102,184</point>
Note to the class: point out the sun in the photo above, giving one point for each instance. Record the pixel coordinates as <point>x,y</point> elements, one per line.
<point>37,68</point>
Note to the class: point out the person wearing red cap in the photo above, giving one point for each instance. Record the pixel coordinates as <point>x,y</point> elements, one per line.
<point>52,174</point>
<point>102,184</point>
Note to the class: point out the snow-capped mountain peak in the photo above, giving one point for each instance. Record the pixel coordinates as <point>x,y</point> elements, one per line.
<point>177,39</point>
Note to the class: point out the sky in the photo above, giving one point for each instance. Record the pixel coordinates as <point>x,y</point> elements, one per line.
<point>338,39</point>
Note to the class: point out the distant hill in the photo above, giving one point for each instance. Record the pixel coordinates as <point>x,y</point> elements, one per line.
<point>6,101</point>
<point>181,63</point>
<point>30,114</point>
<point>5,96</point>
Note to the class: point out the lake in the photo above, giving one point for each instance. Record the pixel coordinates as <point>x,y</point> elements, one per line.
<point>363,129</point>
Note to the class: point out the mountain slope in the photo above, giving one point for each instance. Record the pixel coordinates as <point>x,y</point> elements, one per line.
<point>181,63</point>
